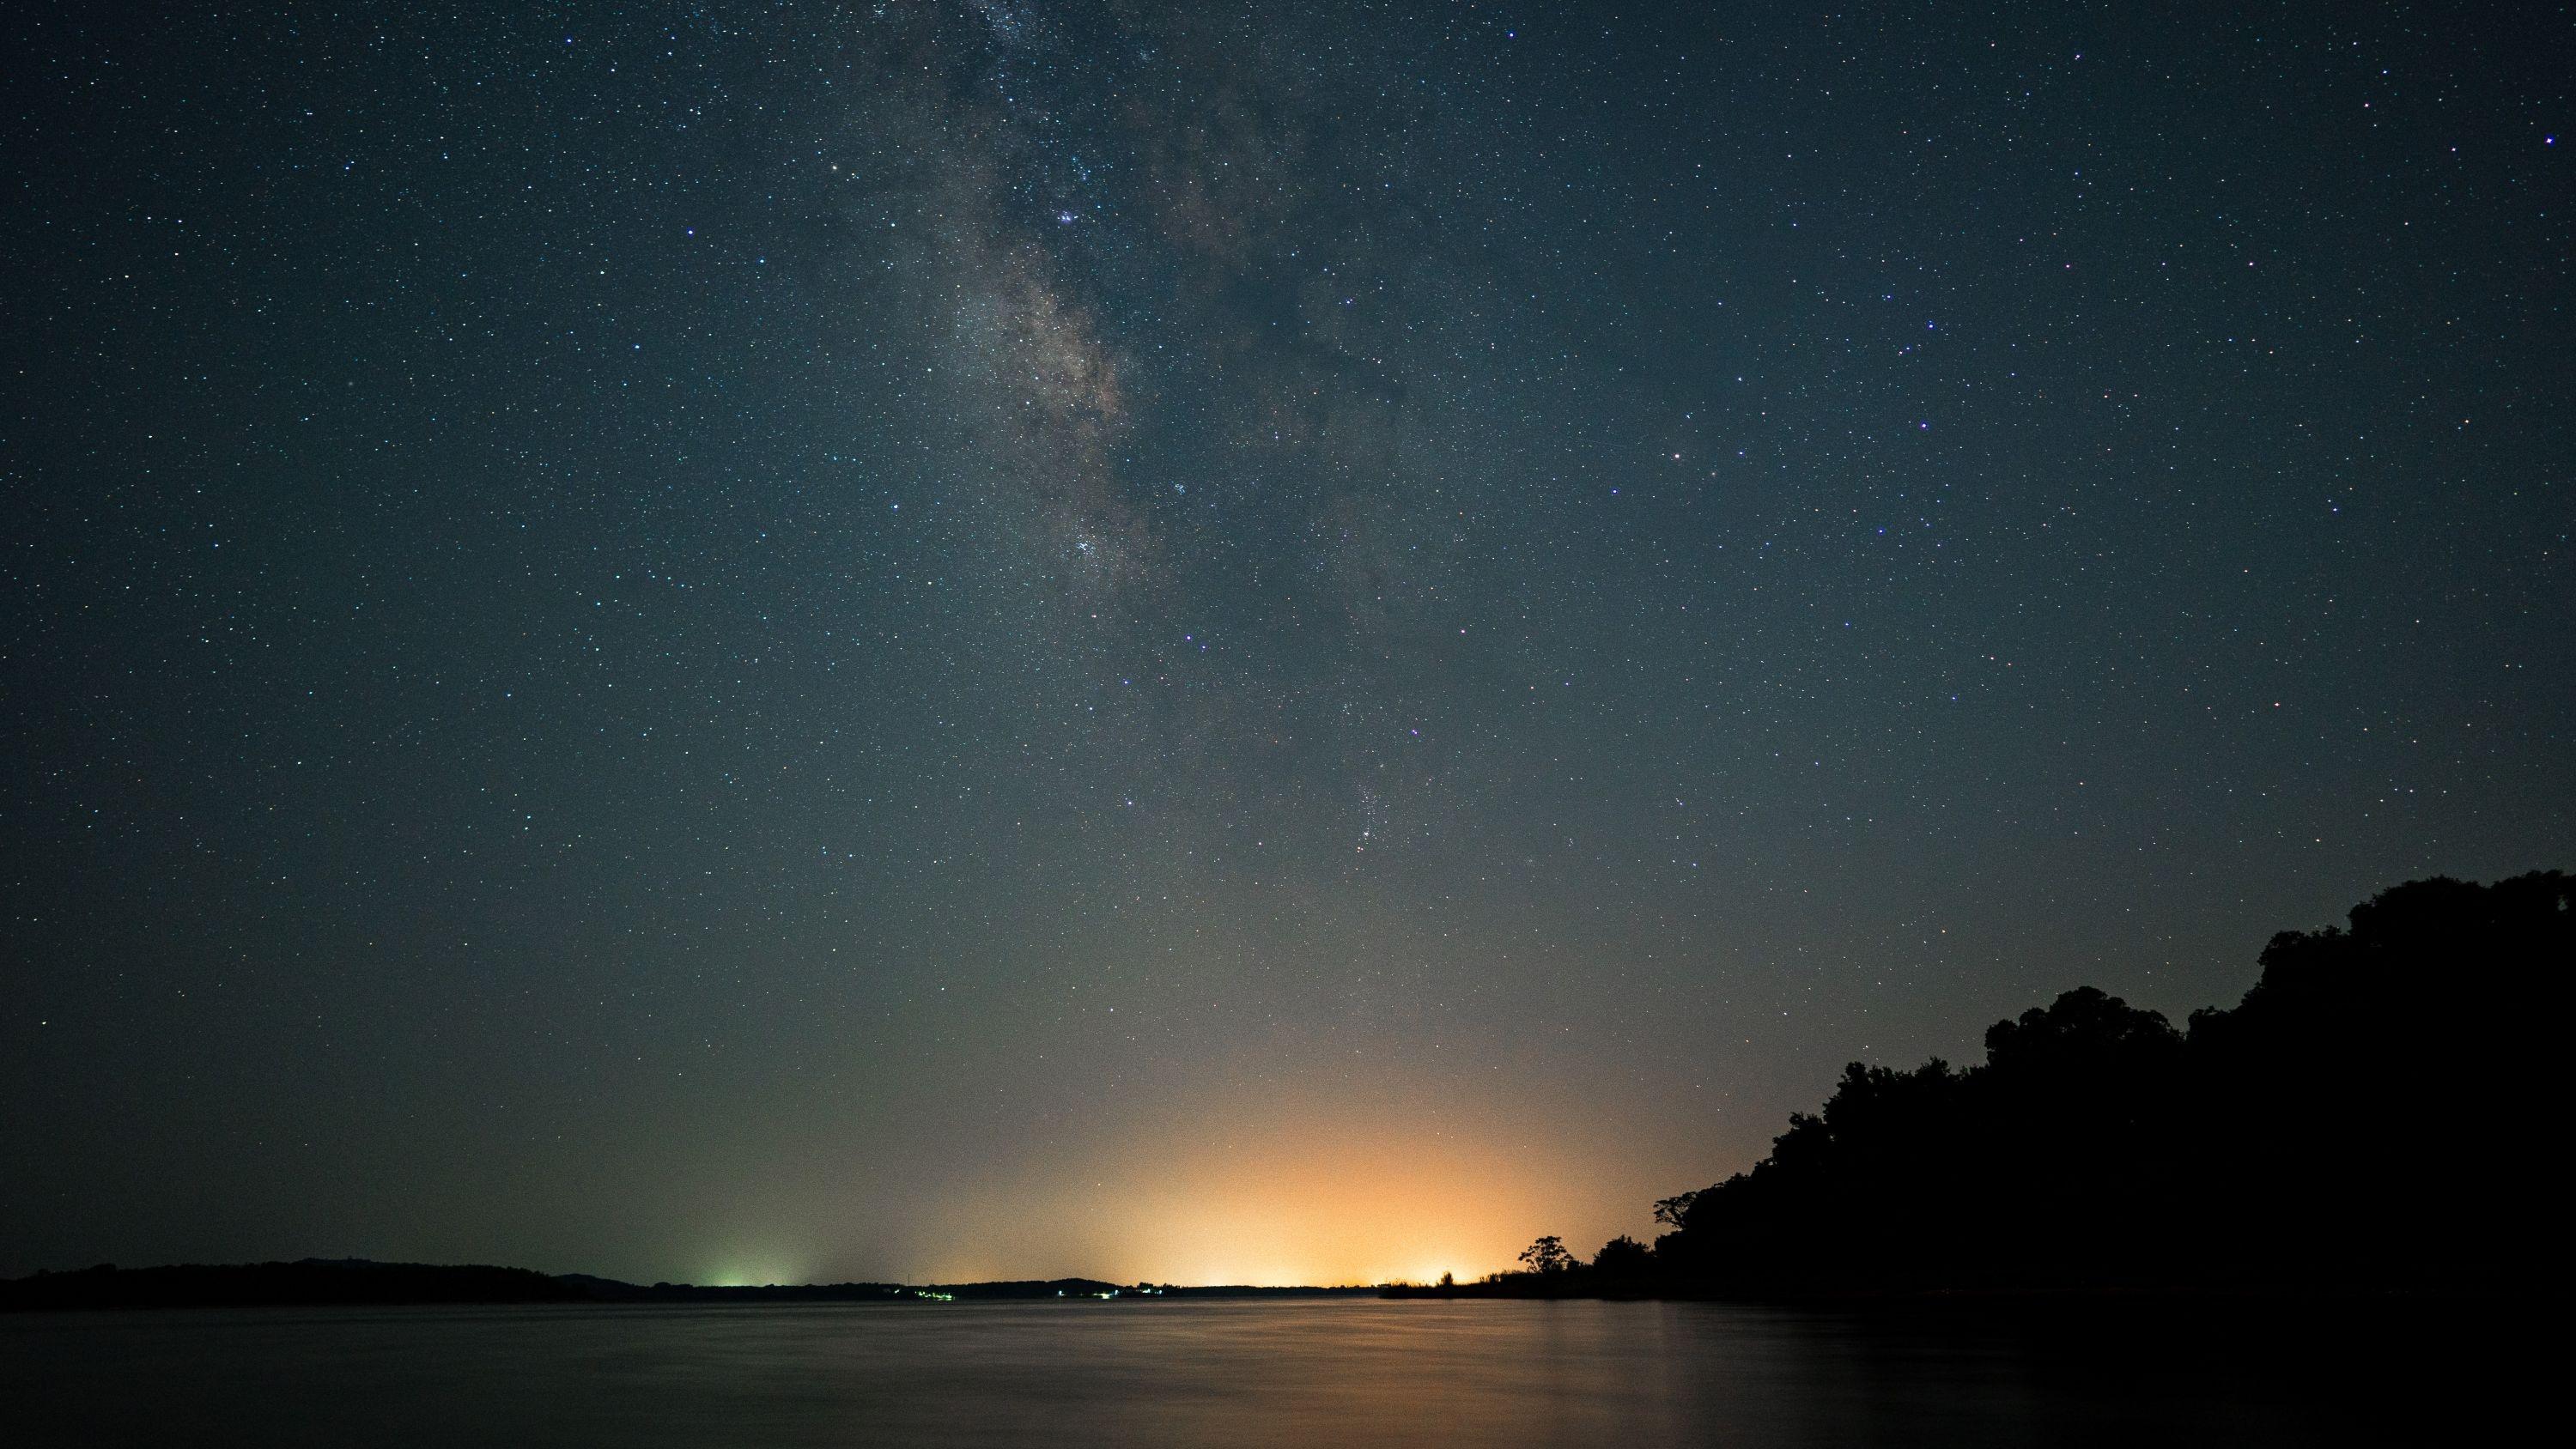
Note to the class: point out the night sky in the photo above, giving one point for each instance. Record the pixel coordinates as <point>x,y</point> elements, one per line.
<point>958,640</point>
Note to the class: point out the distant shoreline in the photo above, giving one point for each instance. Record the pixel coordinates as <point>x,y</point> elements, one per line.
<point>357,1282</point>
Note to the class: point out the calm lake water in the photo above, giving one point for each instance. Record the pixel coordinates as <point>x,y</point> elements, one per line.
<point>1633,1375</point>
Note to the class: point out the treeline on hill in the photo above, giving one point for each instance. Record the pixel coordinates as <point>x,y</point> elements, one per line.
<point>2370,1117</point>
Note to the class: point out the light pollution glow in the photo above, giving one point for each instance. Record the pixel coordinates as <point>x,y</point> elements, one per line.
<point>1323,1210</point>
<point>1277,1197</point>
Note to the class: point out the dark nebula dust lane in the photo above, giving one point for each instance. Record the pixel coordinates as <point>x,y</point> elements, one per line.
<point>1210,643</point>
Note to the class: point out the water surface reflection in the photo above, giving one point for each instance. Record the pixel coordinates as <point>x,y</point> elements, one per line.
<point>1229,1373</point>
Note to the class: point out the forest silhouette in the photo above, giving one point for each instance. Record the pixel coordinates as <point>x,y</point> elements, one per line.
<point>2370,1117</point>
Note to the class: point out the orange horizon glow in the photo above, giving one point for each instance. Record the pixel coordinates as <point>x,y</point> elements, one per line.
<point>1274,1198</point>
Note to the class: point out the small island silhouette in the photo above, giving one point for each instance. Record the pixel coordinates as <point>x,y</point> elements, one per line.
<point>2366,1120</point>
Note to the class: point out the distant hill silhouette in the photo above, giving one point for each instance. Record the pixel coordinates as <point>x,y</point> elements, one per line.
<point>359,1282</point>
<point>2373,1116</point>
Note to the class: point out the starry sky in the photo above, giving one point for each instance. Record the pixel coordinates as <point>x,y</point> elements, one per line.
<point>948,640</point>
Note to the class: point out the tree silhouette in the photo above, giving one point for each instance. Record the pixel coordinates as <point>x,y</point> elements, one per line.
<point>2368,1118</point>
<point>1623,1258</point>
<point>1547,1255</point>
<point>2099,1147</point>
